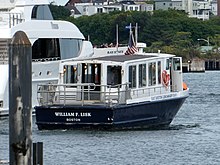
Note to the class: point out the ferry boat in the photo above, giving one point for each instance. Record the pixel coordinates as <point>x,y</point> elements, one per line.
<point>52,42</point>
<point>114,92</point>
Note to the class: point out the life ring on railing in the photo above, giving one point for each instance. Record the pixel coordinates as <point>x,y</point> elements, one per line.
<point>165,78</point>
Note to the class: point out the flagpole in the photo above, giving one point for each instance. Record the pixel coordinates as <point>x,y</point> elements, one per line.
<point>130,30</point>
<point>136,34</point>
<point>117,38</point>
<point>132,49</point>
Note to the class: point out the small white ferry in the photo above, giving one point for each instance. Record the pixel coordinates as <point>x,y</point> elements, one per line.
<point>115,91</point>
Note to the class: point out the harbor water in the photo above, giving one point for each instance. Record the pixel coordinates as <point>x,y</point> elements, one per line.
<point>192,138</point>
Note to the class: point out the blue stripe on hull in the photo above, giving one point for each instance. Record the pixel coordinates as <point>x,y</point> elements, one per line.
<point>148,114</point>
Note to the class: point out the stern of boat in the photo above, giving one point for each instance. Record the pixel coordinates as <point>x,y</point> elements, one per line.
<point>65,117</point>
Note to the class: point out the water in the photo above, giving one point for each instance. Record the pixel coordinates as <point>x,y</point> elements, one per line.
<point>192,138</point>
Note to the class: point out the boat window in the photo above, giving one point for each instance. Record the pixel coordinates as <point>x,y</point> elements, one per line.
<point>41,12</point>
<point>91,73</point>
<point>142,75</point>
<point>45,48</point>
<point>152,73</point>
<point>87,73</point>
<point>1,104</point>
<point>159,72</point>
<point>70,74</point>
<point>70,48</point>
<point>113,75</point>
<point>176,64</point>
<point>167,64</point>
<point>132,76</point>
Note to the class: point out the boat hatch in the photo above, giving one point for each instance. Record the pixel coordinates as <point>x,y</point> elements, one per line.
<point>114,75</point>
<point>91,73</point>
<point>176,74</point>
<point>84,73</point>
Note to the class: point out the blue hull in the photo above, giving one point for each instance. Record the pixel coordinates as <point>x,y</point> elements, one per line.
<point>146,114</point>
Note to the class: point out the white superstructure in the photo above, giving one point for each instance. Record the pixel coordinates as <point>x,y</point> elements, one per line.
<point>52,41</point>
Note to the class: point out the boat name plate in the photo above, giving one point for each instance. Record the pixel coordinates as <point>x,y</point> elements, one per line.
<point>168,96</point>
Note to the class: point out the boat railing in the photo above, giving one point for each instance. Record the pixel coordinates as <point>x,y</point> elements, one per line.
<point>4,51</point>
<point>89,93</point>
<point>46,59</point>
<point>152,91</point>
<point>86,93</point>
<point>10,19</point>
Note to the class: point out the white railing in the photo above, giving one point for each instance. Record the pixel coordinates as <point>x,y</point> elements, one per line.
<point>152,91</point>
<point>85,94</point>
<point>46,59</point>
<point>82,94</point>
<point>10,19</point>
<point>3,51</point>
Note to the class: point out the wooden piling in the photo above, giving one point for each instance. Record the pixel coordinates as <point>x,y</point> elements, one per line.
<point>38,153</point>
<point>20,108</point>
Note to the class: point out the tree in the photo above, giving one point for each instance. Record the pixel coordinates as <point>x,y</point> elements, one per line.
<point>170,31</point>
<point>59,12</point>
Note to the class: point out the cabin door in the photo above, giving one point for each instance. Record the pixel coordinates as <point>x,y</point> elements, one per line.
<point>176,74</point>
<point>91,74</point>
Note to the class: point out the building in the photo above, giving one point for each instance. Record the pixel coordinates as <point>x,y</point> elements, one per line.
<point>87,7</point>
<point>214,6</point>
<point>195,8</point>
<point>200,9</point>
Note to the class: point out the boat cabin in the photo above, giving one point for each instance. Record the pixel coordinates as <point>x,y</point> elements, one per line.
<point>117,79</point>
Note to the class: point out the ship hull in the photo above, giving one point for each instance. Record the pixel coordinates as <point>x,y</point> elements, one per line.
<point>138,115</point>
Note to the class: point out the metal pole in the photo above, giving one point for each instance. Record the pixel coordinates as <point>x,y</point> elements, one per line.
<point>20,112</point>
<point>117,44</point>
<point>136,34</point>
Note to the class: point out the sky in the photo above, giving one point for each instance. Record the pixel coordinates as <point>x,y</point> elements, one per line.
<point>59,2</point>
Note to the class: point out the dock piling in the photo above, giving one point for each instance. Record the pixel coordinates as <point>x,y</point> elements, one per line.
<point>38,153</point>
<point>20,108</point>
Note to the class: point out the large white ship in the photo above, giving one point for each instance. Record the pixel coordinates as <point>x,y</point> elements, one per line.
<point>52,42</point>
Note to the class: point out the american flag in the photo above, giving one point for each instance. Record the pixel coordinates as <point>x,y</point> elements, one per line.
<point>131,45</point>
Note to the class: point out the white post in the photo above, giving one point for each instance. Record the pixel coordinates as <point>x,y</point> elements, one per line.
<point>136,34</point>
<point>117,38</point>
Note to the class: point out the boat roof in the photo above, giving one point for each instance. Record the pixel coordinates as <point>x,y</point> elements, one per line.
<point>123,58</point>
<point>118,58</point>
<point>44,29</point>
<point>48,29</point>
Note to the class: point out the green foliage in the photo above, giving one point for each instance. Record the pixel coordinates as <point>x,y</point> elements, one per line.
<point>170,31</point>
<point>59,12</point>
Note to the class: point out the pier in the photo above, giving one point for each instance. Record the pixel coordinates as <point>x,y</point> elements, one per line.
<point>201,65</point>
<point>212,64</point>
<point>194,65</point>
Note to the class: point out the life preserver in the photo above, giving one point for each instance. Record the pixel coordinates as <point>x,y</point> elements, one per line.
<point>165,78</point>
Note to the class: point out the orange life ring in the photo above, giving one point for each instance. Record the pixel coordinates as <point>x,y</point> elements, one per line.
<point>165,78</point>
